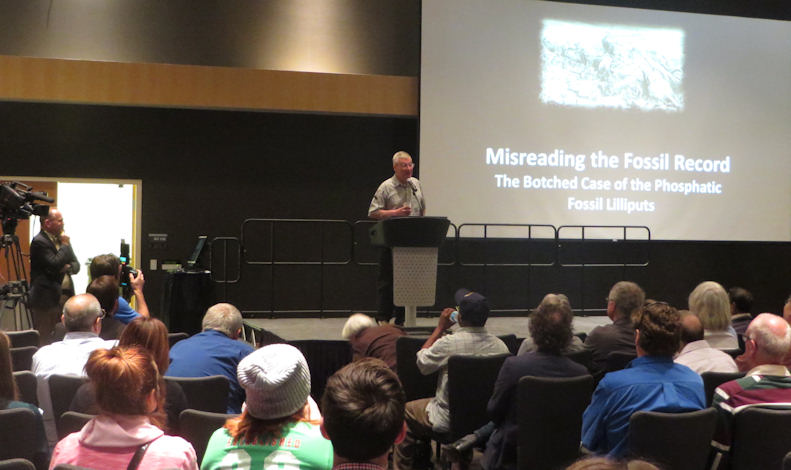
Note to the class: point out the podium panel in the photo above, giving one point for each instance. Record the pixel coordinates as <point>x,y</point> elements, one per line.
<point>414,276</point>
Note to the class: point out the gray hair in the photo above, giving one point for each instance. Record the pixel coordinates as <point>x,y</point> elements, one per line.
<point>628,298</point>
<point>355,324</point>
<point>80,312</point>
<point>710,302</point>
<point>224,318</point>
<point>400,155</point>
<point>776,347</point>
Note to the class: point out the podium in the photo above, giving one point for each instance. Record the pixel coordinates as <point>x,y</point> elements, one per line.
<point>415,243</point>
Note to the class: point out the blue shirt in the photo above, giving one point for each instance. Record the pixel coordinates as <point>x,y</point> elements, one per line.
<point>649,383</point>
<point>211,353</point>
<point>125,313</point>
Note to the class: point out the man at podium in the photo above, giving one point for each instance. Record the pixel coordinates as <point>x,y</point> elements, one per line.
<point>397,196</point>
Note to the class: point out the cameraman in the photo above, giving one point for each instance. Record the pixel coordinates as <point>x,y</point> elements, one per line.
<point>110,264</point>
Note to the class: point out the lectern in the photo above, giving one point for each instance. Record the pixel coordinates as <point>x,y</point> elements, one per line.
<point>415,243</point>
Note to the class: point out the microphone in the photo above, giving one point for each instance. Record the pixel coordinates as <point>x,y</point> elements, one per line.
<point>414,192</point>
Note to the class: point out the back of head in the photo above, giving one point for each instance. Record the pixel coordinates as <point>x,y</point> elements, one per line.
<point>772,337</point>
<point>8,389</point>
<point>473,308</point>
<point>550,324</point>
<point>741,298</point>
<point>355,324</point>
<point>628,297</point>
<point>363,410</point>
<point>710,303</point>
<point>691,327</point>
<point>105,265</point>
<point>659,325</point>
<point>105,289</point>
<point>122,378</point>
<point>224,318</point>
<point>80,312</point>
<point>604,463</point>
<point>151,334</point>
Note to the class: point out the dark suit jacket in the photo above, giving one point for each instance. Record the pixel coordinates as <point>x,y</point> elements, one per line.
<point>46,264</point>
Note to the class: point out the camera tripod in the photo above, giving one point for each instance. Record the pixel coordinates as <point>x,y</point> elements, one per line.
<point>14,294</point>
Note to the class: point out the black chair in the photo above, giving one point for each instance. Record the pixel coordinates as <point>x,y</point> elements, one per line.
<point>680,441</point>
<point>197,427</point>
<point>204,393</point>
<point>18,436</point>
<point>760,439</point>
<point>174,338</point>
<point>66,466</point>
<point>582,356</point>
<point>549,413</point>
<point>416,385</point>
<point>324,358</point>
<point>17,464</point>
<point>733,352</point>
<point>23,338</point>
<point>22,357</point>
<point>512,342</point>
<point>618,360</point>
<point>712,380</point>
<point>62,389</point>
<point>26,382</point>
<point>71,421</point>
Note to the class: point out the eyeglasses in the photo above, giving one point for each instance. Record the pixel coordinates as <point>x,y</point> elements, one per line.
<point>406,165</point>
<point>103,314</point>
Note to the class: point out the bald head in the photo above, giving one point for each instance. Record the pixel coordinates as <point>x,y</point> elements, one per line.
<point>772,337</point>
<point>80,313</point>
<point>53,223</point>
<point>691,327</point>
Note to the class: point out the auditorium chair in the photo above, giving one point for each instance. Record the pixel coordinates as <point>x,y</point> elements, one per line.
<point>416,385</point>
<point>512,342</point>
<point>208,393</point>
<point>680,441</point>
<point>72,421</point>
<point>62,389</point>
<point>17,464</point>
<point>197,426</point>
<point>712,380</point>
<point>324,358</point>
<point>18,436</point>
<point>549,413</point>
<point>760,438</point>
<point>26,382</point>
<point>22,357</point>
<point>23,338</point>
<point>618,360</point>
<point>582,356</point>
<point>174,338</point>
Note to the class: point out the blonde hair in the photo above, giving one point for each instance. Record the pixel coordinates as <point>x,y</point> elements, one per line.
<point>710,302</point>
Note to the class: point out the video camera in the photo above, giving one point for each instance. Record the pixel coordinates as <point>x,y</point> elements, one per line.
<point>17,202</point>
<point>126,270</point>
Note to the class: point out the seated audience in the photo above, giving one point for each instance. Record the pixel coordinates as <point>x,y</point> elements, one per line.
<point>368,339</point>
<point>428,415</point>
<point>696,352</point>
<point>652,382</point>
<point>82,317</point>
<point>766,382</point>
<point>550,328</point>
<point>741,305</point>
<point>151,334</point>
<point>215,351</point>
<point>9,398</point>
<point>710,303</point>
<point>110,265</point>
<point>363,399</point>
<point>128,392</point>
<point>105,289</point>
<point>274,429</point>
<point>624,300</point>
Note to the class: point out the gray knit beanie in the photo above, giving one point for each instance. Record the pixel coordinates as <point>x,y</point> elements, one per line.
<point>276,379</point>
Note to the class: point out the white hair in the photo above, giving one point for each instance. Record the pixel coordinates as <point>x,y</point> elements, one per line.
<point>400,155</point>
<point>355,324</point>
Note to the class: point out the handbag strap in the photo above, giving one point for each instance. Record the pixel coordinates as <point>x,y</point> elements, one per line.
<point>135,462</point>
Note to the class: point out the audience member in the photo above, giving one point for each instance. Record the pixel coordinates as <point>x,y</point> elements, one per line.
<point>652,382</point>
<point>603,463</point>
<point>110,265</point>
<point>696,352</point>
<point>368,339</point>
<point>363,407</point>
<point>151,334</point>
<point>128,392</point>
<point>105,289</point>
<point>741,307</point>
<point>766,341</point>
<point>274,429</point>
<point>82,317</point>
<point>710,303</point>
<point>214,351</point>
<point>550,328</point>
<point>625,299</point>
<point>429,415</point>
<point>9,398</point>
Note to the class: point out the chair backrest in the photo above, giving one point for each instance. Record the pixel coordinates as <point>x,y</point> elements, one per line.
<point>18,434</point>
<point>174,338</point>
<point>26,382</point>
<point>72,421</point>
<point>470,385</point>
<point>512,342</point>
<point>17,464</point>
<point>324,358</point>
<point>760,439</point>
<point>62,389</point>
<point>22,357</point>
<point>197,427</point>
<point>618,360</point>
<point>712,380</point>
<point>23,338</point>
<point>549,414</point>
<point>204,393</point>
<point>674,440</point>
<point>416,385</point>
<point>582,356</point>
<point>733,352</point>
